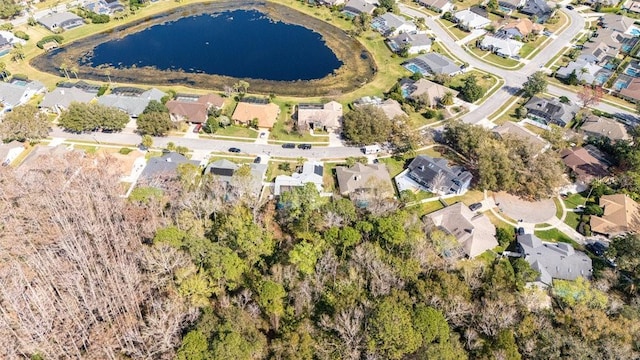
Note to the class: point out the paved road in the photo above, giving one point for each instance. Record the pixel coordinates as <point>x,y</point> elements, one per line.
<point>513,78</point>
<point>127,138</point>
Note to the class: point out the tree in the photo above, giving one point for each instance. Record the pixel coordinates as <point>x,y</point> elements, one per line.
<point>366,125</point>
<point>9,9</point>
<point>626,252</point>
<point>572,79</point>
<point>241,86</point>
<point>590,95</point>
<point>471,91</point>
<point>447,98</point>
<point>78,118</point>
<point>391,332</point>
<point>24,123</point>
<point>194,347</point>
<point>492,5</point>
<point>147,141</point>
<point>536,83</point>
<point>154,123</point>
<point>17,53</point>
<point>388,5</point>
<point>155,106</point>
<point>271,299</point>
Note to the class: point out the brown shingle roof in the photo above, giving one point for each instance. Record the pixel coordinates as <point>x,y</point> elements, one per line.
<point>621,214</point>
<point>191,111</point>
<point>601,126</point>
<point>364,177</point>
<point>212,100</point>
<point>267,114</point>
<point>585,165</point>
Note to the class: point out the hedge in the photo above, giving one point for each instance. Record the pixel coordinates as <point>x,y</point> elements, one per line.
<point>46,39</point>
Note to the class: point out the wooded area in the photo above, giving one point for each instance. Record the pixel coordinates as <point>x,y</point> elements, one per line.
<point>184,273</point>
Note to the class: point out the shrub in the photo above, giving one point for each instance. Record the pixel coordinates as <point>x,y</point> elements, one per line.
<point>46,39</point>
<point>125,151</point>
<point>21,35</point>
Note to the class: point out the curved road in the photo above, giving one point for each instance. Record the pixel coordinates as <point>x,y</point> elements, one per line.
<point>513,78</point>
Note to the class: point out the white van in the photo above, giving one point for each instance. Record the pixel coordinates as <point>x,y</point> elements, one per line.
<point>371,149</point>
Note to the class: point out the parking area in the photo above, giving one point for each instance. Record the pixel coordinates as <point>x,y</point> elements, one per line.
<point>534,212</point>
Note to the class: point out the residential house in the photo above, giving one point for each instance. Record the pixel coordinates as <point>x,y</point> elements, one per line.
<point>372,178</point>
<point>132,101</point>
<point>469,20</point>
<point>356,7</point>
<point>632,91</point>
<point>266,115</point>
<point>521,28</point>
<point>194,109</point>
<point>320,116</point>
<point>60,98</point>
<point>474,232</point>
<point>632,6</point>
<point>390,107</point>
<point>312,172</point>
<point>11,38</point>
<point>550,111</point>
<point>432,64</point>
<point>10,151</point>
<point>510,129</point>
<point>619,23</point>
<point>502,45</point>
<point>538,8</point>
<point>599,126</point>
<point>585,71</point>
<point>509,5</point>
<point>5,46</point>
<point>414,43</point>
<point>226,171</point>
<point>621,215</point>
<point>587,163</point>
<point>439,6</point>
<point>434,175</point>
<point>18,92</point>
<point>390,24</point>
<point>103,7</point>
<point>164,167</point>
<point>606,44</point>
<point>61,21</point>
<point>425,89</point>
<point>553,260</point>
<point>331,2</point>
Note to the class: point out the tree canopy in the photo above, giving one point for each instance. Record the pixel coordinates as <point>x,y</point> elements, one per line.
<point>82,117</point>
<point>154,123</point>
<point>24,123</point>
<point>536,83</point>
<point>367,125</point>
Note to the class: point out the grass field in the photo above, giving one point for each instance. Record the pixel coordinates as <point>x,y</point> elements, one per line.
<point>237,131</point>
<point>452,29</point>
<point>529,48</point>
<point>556,235</point>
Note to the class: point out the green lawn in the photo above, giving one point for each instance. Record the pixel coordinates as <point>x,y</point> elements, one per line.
<point>556,236</point>
<point>491,58</point>
<point>530,47</point>
<point>572,219</point>
<point>559,211</point>
<point>237,131</point>
<point>572,201</point>
<point>555,58</point>
<point>455,32</point>
<point>430,207</point>
<point>501,116</point>
<point>558,21</point>
<point>273,170</point>
<point>497,222</point>
<point>394,166</point>
<point>470,197</point>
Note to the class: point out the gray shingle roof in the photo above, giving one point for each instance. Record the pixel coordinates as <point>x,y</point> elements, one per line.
<point>425,170</point>
<point>554,260</point>
<point>61,98</point>
<point>435,63</point>
<point>132,105</point>
<point>165,165</point>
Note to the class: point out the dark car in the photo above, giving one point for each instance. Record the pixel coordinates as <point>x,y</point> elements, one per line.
<point>257,160</point>
<point>234,150</point>
<point>475,206</point>
<point>289,146</point>
<point>304,146</point>
<point>520,231</point>
<point>569,7</point>
<point>596,248</point>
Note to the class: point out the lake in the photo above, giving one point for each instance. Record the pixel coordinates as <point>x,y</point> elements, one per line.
<point>238,43</point>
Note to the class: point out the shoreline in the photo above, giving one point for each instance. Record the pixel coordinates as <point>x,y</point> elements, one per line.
<point>358,66</point>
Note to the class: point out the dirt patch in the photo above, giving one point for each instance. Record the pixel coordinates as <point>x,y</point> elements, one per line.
<point>358,65</point>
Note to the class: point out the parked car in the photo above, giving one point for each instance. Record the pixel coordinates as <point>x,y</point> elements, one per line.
<point>520,231</point>
<point>475,206</point>
<point>234,150</point>
<point>596,248</point>
<point>257,160</point>
<point>304,146</point>
<point>289,146</point>
<point>197,128</point>
<point>569,7</point>
<point>262,135</point>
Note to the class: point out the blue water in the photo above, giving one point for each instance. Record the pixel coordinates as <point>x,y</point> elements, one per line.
<point>413,68</point>
<point>239,43</point>
<point>632,71</point>
<point>601,78</point>
<point>620,84</point>
<point>635,32</point>
<point>609,66</point>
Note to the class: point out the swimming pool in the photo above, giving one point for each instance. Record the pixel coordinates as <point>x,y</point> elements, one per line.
<point>634,31</point>
<point>601,78</point>
<point>632,71</point>
<point>19,82</point>
<point>414,68</point>
<point>621,84</point>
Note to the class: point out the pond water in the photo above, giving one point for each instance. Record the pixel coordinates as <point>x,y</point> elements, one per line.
<point>238,43</point>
